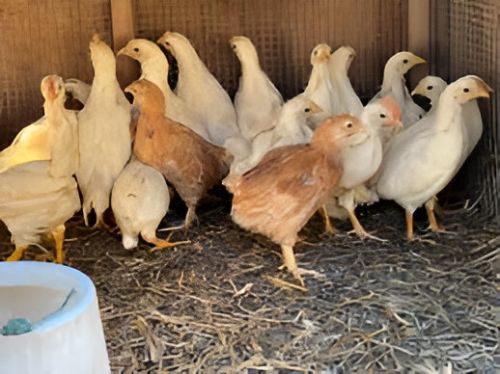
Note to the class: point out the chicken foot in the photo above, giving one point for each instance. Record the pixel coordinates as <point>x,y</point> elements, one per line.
<point>18,253</point>
<point>163,243</point>
<point>291,265</point>
<point>359,229</point>
<point>329,228</point>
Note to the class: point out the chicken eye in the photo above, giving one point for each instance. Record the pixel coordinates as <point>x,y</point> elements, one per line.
<point>382,115</point>
<point>307,110</point>
<point>430,87</point>
<point>349,125</point>
<point>136,49</point>
<point>315,53</point>
<point>234,46</point>
<point>405,61</point>
<point>466,89</point>
<point>351,55</point>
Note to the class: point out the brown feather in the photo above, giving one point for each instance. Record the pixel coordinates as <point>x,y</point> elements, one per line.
<point>190,163</point>
<point>279,195</point>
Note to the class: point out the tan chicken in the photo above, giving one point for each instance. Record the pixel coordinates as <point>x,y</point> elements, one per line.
<point>186,160</point>
<point>38,197</point>
<point>279,195</point>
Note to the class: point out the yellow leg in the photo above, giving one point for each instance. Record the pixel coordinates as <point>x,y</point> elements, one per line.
<point>429,207</point>
<point>359,229</point>
<point>329,229</point>
<point>160,243</point>
<point>18,253</point>
<point>356,225</point>
<point>58,235</point>
<point>290,263</point>
<point>409,225</point>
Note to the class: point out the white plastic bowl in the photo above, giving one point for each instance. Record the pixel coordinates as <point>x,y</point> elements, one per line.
<point>71,341</point>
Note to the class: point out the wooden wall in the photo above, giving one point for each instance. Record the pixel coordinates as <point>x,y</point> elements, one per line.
<point>41,37</point>
<point>284,32</point>
<point>465,38</point>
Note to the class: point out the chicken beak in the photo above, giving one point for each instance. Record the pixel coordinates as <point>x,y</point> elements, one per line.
<point>129,89</point>
<point>419,60</point>
<point>323,55</point>
<point>417,90</point>
<point>315,108</point>
<point>96,38</point>
<point>483,90</point>
<point>160,40</point>
<point>122,51</point>
<point>398,125</point>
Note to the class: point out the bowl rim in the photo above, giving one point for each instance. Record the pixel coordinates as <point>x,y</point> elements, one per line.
<point>85,293</point>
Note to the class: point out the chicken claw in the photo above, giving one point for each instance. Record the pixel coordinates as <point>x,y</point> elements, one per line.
<point>359,230</point>
<point>18,253</point>
<point>291,265</point>
<point>160,243</point>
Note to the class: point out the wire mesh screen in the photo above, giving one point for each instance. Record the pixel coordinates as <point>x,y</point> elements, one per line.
<point>284,32</point>
<point>465,39</point>
<point>39,38</point>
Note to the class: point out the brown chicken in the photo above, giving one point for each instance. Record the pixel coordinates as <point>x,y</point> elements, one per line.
<point>279,195</point>
<point>186,160</point>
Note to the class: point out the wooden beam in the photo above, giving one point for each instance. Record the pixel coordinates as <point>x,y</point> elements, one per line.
<point>419,34</point>
<point>122,23</point>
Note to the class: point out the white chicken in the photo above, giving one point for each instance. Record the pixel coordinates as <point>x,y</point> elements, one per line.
<point>361,162</point>
<point>257,101</point>
<point>38,197</point>
<point>78,89</point>
<point>426,93</point>
<point>347,100</point>
<point>154,66</point>
<point>104,134</point>
<point>319,88</point>
<point>422,159</point>
<point>290,128</point>
<point>35,142</point>
<point>140,199</point>
<point>199,89</point>
<point>394,85</point>
<point>430,88</point>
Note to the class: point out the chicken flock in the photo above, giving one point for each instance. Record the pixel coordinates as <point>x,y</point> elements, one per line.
<point>321,151</point>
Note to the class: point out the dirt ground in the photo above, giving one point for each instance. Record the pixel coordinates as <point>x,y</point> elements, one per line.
<point>221,303</point>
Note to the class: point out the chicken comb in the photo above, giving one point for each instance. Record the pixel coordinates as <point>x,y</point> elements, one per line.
<point>392,106</point>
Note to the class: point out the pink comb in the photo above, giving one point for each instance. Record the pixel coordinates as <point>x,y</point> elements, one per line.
<point>392,106</point>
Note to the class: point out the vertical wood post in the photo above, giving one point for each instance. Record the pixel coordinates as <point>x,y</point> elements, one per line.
<point>122,23</point>
<point>419,34</point>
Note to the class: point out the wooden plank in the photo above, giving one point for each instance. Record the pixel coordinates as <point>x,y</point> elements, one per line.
<point>419,41</point>
<point>122,24</point>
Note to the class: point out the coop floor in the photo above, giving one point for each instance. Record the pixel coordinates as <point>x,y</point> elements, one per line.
<point>222,304</point>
